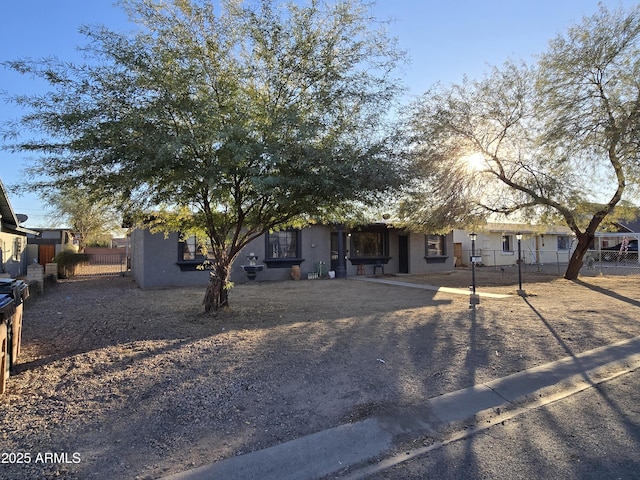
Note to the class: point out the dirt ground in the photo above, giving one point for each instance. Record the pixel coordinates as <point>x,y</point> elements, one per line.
<point>124,383</point>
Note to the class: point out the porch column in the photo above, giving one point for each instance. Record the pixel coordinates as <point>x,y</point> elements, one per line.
<point>341,268</point>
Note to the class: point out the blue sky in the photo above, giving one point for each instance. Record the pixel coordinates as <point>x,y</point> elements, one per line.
<point>444,40</point>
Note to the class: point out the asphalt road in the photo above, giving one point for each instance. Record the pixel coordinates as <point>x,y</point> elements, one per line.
<point>594,434</point>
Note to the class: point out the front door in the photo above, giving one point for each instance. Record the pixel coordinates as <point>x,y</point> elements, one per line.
<point>334,249</point>
<point>403,254</point>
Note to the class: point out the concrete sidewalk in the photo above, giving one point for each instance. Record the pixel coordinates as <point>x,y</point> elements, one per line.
<point>332,450</point>
<point>435,288</point>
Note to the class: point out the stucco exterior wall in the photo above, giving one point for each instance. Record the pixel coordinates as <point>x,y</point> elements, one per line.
<point>154,258</point>
<point>32,254</point>
<point>315,247</point>
<point>418,263</point>
<point>14,256</point>
<point>154,262</point>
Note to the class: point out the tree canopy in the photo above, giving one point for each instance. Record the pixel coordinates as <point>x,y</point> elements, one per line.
<point>93,220</point>
<point>250,115</point>
<point>558,140</point>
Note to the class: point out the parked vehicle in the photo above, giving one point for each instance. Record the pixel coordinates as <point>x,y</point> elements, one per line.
<point>620,253</point>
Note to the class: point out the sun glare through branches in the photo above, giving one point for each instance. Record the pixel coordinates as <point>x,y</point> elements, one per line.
<point>475,162</point>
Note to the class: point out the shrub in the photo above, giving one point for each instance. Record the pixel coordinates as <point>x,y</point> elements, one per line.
<point>67,261</point>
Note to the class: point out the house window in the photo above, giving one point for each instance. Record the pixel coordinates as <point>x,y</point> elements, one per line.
<point>507,243</point>
<point>564,242</point>
<point>193,249</point>
<point>283,244</point>
<point>369,243</point>
<point>189,249</point>
<point>435,245</point>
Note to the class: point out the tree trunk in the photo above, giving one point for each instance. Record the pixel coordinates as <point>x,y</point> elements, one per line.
<point>223,271</point>
<point>212,295</point>
<point>224,296</point>
<point>575,263</point>
<point>217,294</point>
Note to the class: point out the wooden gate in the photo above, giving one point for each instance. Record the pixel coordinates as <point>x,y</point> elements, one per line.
<point>46,252</point>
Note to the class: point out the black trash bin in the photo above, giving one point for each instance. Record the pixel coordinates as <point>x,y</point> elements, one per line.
<point>7,312</point>
<point>11,286</point>
<point>19,291</point>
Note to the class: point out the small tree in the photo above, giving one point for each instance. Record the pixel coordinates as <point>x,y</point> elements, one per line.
<point>94,219</point>
<point>556,142</point>
<point>250,117</point>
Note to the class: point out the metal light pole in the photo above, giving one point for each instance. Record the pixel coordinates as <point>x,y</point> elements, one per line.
<point>474,299</point>
<point>521,292</point>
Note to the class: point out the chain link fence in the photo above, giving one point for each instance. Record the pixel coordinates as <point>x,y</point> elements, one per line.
<point>595,262</point>
<point>611,262</point>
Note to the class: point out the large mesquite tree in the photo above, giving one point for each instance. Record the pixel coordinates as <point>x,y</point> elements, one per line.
<point>556,141</point>
<point>248,116</point>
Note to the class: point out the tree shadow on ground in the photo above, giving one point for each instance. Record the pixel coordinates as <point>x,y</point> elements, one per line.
<point>289,359</point>
<point>608,292</point>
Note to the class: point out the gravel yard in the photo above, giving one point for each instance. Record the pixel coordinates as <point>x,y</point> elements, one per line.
<point>118,382</point>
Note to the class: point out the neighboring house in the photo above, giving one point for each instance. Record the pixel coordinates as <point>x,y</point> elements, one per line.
<point>625,236</point>
<point>13,239</point>
<point>123,242</point>
<point>47,243</point>
<point>629,227</point>
<point>620,231</point>
<point>497,244</point>
<point>164,261</point>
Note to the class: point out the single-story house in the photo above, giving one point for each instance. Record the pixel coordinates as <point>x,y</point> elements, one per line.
<point>13,239</point>
<point>159,260</point>
<point>497,244</point>
<point>46,243</point>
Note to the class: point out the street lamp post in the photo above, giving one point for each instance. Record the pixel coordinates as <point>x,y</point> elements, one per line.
<point>474,299</point>
<point>521,292</point>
